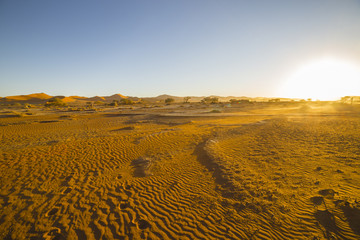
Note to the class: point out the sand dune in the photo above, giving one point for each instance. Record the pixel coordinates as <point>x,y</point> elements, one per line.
<point>34,96</point>
<point>146,175</point>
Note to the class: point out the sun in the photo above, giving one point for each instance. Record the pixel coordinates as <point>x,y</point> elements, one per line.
<point>324,79</point>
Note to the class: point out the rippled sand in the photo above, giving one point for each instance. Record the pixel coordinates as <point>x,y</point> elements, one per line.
<point>180,175</point>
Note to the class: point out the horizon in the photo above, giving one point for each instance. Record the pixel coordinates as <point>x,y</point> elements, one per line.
<point>277,49</point>
<point>178,96</point>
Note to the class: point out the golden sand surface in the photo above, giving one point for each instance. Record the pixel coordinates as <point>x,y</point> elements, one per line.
<point>174,173</point>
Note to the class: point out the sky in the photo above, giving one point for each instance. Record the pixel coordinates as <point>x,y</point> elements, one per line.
<point>182,48</point>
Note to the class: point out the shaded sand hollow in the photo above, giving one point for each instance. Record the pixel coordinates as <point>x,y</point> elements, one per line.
<point>153,176</point>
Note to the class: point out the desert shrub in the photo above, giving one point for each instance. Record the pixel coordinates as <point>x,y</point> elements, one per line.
<point>123,101</point>
<point>99,103</point>
<point>169,100</point>
<point>17,104</point>
<point>143,101</point>
<point>215,111</point>
<point>126,101</point>
<point>90,104</point>
<point>114,103</point>
<point>27,106</point>
<point>238,101</point>
<point>75,109</point>
<point>55,102</point>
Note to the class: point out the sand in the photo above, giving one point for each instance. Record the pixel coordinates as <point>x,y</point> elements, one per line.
<point>173,172</point>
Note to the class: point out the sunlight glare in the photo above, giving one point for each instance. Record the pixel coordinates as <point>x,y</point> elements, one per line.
<point>325,79</point>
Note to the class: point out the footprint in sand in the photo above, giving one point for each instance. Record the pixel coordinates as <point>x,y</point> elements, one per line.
<point>52,212</point>
<point>123,205</point>
<point>69,180</point>
<point>143,224</point>
<point>67,190</point>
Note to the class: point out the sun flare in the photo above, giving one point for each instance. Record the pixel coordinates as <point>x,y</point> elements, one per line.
<point>325,79</point>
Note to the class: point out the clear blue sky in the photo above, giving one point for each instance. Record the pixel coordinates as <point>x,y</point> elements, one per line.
<point>184,47</point>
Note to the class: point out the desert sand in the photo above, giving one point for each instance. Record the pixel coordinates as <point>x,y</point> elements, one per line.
<point>191,171</point>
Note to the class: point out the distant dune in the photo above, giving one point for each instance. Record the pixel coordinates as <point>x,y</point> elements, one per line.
<point>69,99</point>
<point>43,97</point>
<point>96,98</point>
<point>34,96</point>
<point>115,97</point>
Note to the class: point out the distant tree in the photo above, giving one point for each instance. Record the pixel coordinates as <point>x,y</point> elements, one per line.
<point>309,99</point>
<point>211,100</point>
<point>186,99</point>
<point>55,102</point>
<point>169,100</point>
